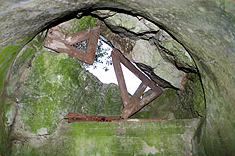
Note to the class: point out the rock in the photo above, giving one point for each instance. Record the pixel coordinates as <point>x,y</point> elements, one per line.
<point>145,53</point>
<point>122,43</point>
<point>129,26</point>
<point>171,50</point>
<point>104,13</point>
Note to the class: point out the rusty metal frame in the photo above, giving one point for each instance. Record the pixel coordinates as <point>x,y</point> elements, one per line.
<point>57,41</point>
<point>135,103</point>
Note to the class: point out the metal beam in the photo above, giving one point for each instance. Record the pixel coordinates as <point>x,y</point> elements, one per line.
<point>135,103</point>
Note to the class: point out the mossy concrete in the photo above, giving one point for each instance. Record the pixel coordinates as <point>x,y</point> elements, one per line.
<point>205,29</point>
<point>116,138</point>
<point>46,85</point>
<point>7,57</point>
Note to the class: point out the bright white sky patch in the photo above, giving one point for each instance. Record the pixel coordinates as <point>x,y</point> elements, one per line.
<point>132,82</point>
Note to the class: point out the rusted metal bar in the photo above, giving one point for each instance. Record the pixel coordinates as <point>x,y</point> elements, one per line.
<point>79,117</point>
<point>135,99</point>
<point>55,40</point>
<point>146,100</point>
<point>77,37</point>
<point>135,71</point>
<point>135,103</point>
<point>92,44</point>
<point>121,80</point>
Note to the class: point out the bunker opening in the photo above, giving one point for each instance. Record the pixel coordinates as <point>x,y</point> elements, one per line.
<point>41,86</point>
<point>163,79</point>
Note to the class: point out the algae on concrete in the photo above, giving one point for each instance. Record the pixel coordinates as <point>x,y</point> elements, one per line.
<point>46,85</point>
<point>112,138</point>
<point>205,28</point>
<point>7,55</point>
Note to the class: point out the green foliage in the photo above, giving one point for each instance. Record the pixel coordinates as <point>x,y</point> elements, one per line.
<point>103,56</point>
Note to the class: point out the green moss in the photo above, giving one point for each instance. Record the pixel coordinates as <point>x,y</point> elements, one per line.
<point>50,88</point>
<point>199,106</point>
<point>7,54</point>
<point>57,84</point>
<point>84,23</point>
<point>112,139</point>
<point>112,103</point>
<point>76,25</point>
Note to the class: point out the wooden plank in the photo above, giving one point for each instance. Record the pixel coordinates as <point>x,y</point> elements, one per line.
<point>77,37</point>
<point>55,34</point>
<point>66,48</point>
<point>80,117</point>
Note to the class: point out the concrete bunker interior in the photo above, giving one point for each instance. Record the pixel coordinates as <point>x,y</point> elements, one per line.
<point>47,79</point>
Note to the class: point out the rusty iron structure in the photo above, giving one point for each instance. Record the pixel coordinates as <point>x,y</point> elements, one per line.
<point>81,117</point>
<point>82,46</point>
<point>87,40</point>
<point>135,103</point>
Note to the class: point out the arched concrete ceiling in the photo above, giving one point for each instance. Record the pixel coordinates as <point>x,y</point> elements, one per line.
<point>205,28</point>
